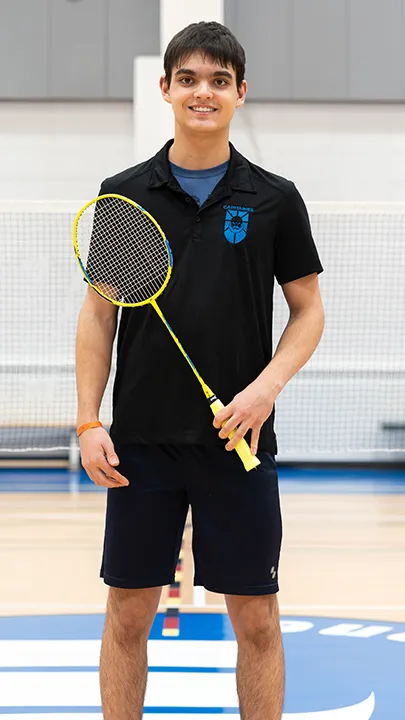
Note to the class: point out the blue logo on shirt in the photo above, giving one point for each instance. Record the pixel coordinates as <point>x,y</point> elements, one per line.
<point>236,222</point>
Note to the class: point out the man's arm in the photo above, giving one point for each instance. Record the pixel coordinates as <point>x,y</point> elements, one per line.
<point>301,335</point>
<point>250,408</point>
<point>94,341</point>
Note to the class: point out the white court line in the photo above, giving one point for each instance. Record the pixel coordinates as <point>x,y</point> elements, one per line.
<point>86,653</point>
<point>81,689</point>
<point>161,653</point>
<point>199,596</point>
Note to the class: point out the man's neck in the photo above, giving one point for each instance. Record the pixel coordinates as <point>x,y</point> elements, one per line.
<point>199,153</point>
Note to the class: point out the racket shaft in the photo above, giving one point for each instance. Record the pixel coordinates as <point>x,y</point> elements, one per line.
<point>207,392</point>
<point>242,448</point>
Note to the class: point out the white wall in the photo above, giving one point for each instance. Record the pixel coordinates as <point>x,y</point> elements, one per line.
<point>332,152</point>
<point>63,150</point>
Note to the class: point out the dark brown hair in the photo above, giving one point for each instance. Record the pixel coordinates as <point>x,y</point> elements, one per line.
<point>212,40</point>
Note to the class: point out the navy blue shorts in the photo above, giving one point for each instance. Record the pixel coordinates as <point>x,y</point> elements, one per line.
<point>235,515</point>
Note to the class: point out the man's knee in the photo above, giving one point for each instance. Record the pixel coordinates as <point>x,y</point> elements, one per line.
<point>130,613</point>
<point>255,620</point>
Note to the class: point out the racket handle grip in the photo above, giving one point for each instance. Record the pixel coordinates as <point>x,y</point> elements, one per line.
<point>242,448</point>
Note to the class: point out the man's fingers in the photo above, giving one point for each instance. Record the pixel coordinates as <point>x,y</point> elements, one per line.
<point>110,453</point>
<point>105,466</point>
<point>230,425</point>
<point>254,441</point>
<point>103,480</point>
<point>113,459</point>
<point>102,473</point>
<point>222,416</point>
<point>239,434</point>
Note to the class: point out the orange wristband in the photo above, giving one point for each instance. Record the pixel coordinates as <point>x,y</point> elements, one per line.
<point>87,426</point>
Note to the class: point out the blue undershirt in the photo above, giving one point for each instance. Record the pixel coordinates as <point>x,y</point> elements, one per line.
<point>199,184</point>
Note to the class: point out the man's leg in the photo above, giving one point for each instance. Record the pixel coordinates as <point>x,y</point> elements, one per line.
<point>144,527</point>
<point>123,662</point>
<point>260,667</point>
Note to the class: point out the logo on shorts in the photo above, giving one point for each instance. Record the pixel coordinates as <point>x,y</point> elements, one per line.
<point>236,222</point>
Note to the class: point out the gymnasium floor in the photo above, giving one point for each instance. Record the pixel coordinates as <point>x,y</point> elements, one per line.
<point>342,603</point>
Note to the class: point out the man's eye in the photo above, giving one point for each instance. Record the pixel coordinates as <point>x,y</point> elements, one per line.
<point>221,82</point>
<point>186,80</point>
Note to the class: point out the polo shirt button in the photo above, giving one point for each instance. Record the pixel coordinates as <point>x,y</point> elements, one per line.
<point>188,199</point>
<point>198,218</point>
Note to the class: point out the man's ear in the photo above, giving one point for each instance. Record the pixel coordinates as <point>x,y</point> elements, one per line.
<point>164,89</point>
<point>242,90</point>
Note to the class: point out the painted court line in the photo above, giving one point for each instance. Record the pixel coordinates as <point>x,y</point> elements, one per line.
<point>81,689</point>
<point>211,654</point>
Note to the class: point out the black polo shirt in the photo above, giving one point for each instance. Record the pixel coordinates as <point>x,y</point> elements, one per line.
<point>253,228</point>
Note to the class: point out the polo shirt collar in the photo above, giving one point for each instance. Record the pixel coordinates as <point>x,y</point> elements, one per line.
<point>238,175</point>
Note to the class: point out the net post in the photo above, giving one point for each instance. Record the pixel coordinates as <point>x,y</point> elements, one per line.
<point>74,464</point>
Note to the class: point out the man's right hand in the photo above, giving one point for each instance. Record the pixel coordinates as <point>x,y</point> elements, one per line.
<point>99,458</point>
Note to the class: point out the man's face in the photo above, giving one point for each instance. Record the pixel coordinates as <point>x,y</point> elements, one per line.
<point>203,94</point>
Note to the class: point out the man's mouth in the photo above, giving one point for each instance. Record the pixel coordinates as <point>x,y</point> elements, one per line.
<point>202,109</point>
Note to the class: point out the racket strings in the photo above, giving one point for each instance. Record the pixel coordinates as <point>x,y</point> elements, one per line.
<point>124,253</point>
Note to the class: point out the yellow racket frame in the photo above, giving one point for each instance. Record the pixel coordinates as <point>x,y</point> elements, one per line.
<point>242,448</point>
<point>83,269</point>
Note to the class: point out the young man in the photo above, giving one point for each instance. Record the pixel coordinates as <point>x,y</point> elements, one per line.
<point>233,228</point>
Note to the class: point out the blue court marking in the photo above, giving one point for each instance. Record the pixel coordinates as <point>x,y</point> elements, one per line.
<point>375,481</point>
<point>198,626</point>
<point>325,672</point>
<point>292,480</point>
<point>52,480</point>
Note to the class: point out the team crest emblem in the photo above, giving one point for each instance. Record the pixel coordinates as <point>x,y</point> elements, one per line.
<point>236,223</point>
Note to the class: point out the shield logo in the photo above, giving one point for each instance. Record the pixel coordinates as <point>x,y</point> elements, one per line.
<point>236,224</point>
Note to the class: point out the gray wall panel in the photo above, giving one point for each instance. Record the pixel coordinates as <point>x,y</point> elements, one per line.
<point>23,49</point>
<point>320,49</point>
<point>133,29</point>
<point>403,49</point>
<point>265,30</point>
<point>78,65</point>
<point>376,40</point>
<point>231,14</point>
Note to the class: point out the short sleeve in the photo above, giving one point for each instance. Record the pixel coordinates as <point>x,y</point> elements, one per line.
<point>295,254</point>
